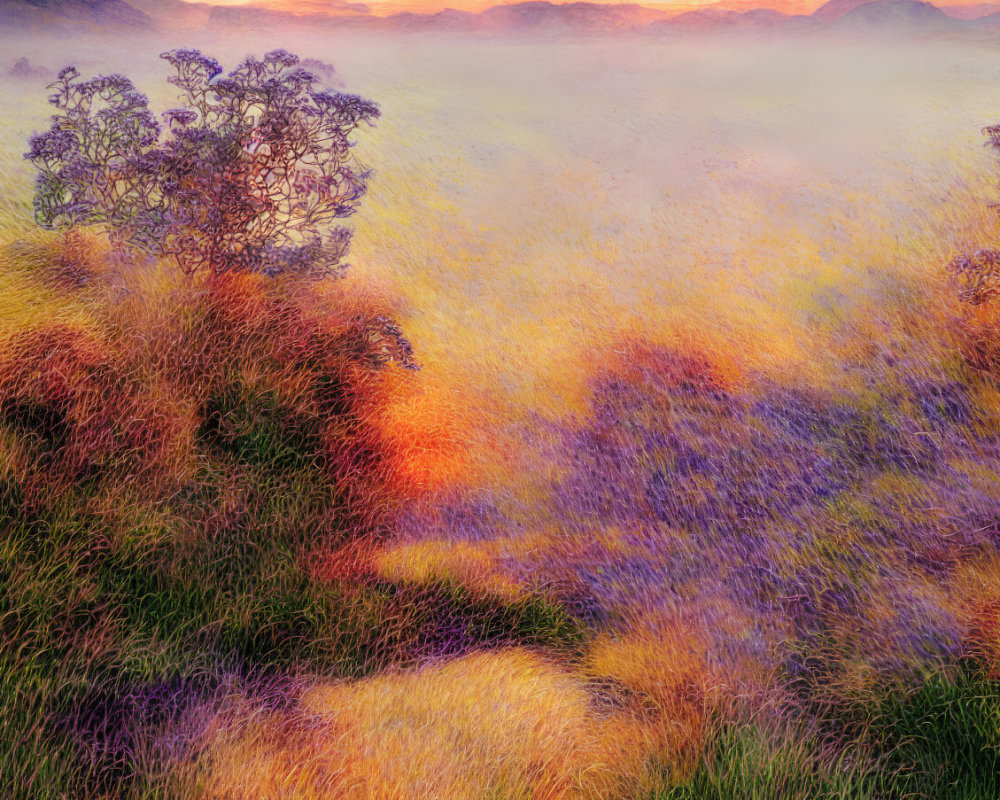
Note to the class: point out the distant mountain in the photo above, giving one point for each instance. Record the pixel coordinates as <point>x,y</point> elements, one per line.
<point>990,22</point>
<point>832,9</point>
<point>896,15</point>
<point>252,18</point>
<point>578,17</point>
<point>450,19</point>
<point>70,14</point>
<point>702,18</point>
<point>720,18</point>
<point>533,16</point>
<point>543,17</point>
<point>173,13</point>
<point>975,11</point>
<point>788,7</point>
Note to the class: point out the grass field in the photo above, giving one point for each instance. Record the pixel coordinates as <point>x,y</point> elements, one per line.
<point>695,495</point>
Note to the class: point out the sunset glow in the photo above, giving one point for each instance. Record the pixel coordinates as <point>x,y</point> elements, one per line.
<point>385,7</point>
<point>669,8</point>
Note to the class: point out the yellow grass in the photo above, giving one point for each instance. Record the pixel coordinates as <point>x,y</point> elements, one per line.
<point>510,724</point>
<point>532,204</point>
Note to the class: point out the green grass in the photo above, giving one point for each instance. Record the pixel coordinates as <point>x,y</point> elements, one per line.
<point>941,740</point>
<point>92,626</point>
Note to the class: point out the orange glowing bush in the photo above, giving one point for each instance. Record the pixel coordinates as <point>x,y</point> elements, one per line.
<point>264,389</point>
<point>687,365</point>
<point>83,419</point>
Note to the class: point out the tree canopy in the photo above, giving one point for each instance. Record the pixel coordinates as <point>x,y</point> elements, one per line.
<point>250,171</point>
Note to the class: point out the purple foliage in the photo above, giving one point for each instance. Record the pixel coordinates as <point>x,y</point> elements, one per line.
<point>249,172</point>
<point>797,505</point>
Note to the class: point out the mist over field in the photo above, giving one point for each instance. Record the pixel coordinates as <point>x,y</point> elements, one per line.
<point>695,493</point>
<point>577,188</point>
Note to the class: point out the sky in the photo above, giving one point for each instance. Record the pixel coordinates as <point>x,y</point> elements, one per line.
<point>382,7</point>
<point>431,6</point>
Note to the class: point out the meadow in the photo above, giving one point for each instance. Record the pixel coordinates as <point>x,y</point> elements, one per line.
<point>696,493</point>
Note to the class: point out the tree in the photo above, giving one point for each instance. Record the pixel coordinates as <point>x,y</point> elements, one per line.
<point>248,173</point>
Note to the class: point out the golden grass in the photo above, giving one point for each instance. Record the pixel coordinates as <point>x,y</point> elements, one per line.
<point>511,724</point>
<point>534,206</point>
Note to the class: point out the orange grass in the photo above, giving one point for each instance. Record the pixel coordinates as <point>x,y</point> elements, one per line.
<point>510,724</point>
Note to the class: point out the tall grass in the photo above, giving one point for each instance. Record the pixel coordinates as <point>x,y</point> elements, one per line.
<point>939,739</point>
<point>181,463</point>
<point>696,495</point>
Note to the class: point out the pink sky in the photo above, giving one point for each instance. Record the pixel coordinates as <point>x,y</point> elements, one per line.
<point>430,6</point>
<point>392,6</point>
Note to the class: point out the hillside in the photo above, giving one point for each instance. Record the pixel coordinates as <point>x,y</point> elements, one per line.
<point>716,18</point>
<point>896,15</point>
<point>538,15</point>
<point>72,13</point>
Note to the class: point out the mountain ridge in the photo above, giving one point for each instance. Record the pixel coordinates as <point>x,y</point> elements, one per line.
<point>529,17</point>
<point>73,13</point>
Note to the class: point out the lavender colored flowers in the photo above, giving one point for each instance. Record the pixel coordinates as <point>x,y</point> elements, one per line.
<point>249,172</point>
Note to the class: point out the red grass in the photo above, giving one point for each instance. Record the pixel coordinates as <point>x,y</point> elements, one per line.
<point>125,400</point>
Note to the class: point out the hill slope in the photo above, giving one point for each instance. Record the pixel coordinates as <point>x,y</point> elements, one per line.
<point>72,13</point>
<point>896,15</point>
